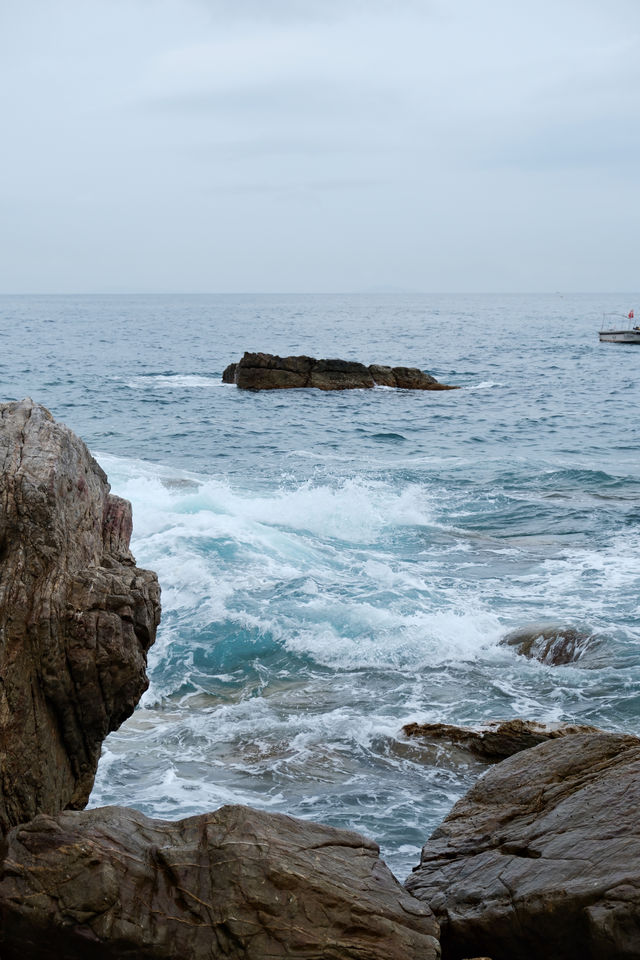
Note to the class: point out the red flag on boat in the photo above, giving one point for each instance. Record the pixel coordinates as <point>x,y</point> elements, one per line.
<point>630,314</point>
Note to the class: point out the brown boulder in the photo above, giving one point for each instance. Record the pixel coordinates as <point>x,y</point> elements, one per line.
<point>411,378</point>
<point>76,615</point>
<point>550,643</point>
<point>494,741</point>
<point>265,371</point>
<point>383,376</point>
<point>110,884</point>
<point>542,857</point>
<point>340,375</point>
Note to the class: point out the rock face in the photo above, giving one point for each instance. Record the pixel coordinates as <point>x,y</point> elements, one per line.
<point>264,371</point>
<point>494,741</point>
<point>542,857</point>
<point>110,884</point>
<point>76,615</point>
<point>550,643</point>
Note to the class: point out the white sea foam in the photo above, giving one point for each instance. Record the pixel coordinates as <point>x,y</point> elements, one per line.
<point>483,385</point>
<point>175,380</point>
<point>305,624</point>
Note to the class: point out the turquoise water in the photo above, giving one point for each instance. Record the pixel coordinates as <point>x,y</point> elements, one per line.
<point>336,565</point>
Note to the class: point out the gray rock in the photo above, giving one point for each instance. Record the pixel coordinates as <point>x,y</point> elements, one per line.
<point>110,884</point>
<point>76,615</point>
<point>542,857</point>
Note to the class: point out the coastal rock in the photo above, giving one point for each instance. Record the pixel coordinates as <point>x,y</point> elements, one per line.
<point>76,615</point>
<point>229,373</point>
<point>383,376</point>
<point>410,378</point>
<point>494,741</point>
<point>110,884</point>
<point>550,643</point>
<point>340,375</point>
<point>264,371</point>
<point>542,857</point>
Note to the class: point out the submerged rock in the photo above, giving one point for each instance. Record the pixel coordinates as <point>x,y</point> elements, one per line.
<point>265,371</point>
<point>110,884</point>
<point>76,615</point>
<point>550,643</point>
<point>542,857</point>
<point>494,741</point>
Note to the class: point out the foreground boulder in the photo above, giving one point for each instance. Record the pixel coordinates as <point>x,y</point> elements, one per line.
<point>76,615</point>
<point>264,371</point>
<point>238,883</point>
<point>542,857</point>
<point>493,741</point>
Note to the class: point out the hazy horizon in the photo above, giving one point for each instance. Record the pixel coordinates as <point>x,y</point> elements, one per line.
<point>210,146</point>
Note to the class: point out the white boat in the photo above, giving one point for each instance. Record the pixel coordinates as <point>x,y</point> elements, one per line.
<point>628,335</point>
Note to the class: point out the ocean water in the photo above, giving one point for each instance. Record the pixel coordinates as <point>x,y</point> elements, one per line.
<point>335,565</point>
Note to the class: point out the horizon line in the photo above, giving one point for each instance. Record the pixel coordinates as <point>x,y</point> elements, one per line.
<point>315,293</point>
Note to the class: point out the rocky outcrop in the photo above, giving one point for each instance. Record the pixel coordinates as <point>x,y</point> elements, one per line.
<point>264,371</point>
<point>76,620</point>
<point>110,884</point>
<point>494,741</point>
<point>542,857</point>
<point>76,615</point>
<point>550,643</point>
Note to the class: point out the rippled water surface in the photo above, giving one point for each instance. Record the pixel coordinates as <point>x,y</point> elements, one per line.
<point>336,565</point>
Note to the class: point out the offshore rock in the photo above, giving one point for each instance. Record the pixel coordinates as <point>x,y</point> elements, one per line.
<point>76,615</point>
<point>542,857</point>
<point>110,884</point>
<point>493,742</point>
<point>550,643</point>
<point>264,371</point>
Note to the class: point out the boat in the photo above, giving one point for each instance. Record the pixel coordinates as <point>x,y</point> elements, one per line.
<point>631,334</point>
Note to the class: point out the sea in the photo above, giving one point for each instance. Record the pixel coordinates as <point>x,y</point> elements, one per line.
<point>336,565</point>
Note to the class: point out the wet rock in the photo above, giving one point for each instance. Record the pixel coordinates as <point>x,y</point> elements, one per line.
<point>542,857</point>
<point>76,615</point>
<point>340,375</point>
<point>550,643</point>
<point>410,378</point>
<point>383,376</point>
<point>494,741</point>
<point>111,884</point>
<point>229,373</point>
<point>265,371</point>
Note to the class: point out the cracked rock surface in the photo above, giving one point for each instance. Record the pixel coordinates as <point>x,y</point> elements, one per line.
<point>76,615</point>
<point>110,884</point>
<point>542,857</point>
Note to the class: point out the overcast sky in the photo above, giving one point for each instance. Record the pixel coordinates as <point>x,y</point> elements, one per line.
<point>319,145</point>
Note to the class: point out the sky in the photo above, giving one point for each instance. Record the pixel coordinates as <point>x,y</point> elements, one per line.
<point>319,145</point>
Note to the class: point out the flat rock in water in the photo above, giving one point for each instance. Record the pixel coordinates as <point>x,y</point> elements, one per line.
<point>542,857</point>
<point>494,741</point>
<point>110,884</point>
<point>76,615</point>
<point>265,371</point>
